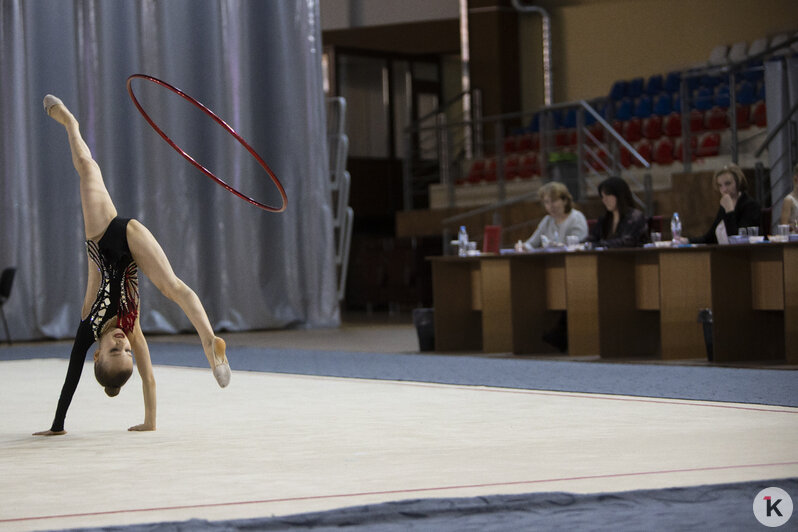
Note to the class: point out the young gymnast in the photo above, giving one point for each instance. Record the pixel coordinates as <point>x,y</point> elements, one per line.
<point>117,247</point>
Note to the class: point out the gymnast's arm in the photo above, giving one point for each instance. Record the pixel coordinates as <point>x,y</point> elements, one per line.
<point>83,341</point>
<point>142,354</point>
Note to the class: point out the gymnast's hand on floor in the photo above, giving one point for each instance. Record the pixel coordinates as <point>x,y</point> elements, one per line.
<point>142,428</point>
<point>50,433</point>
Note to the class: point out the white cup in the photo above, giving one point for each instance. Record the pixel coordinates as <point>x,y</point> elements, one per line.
<point>571,242</point>
<point>784,230</point>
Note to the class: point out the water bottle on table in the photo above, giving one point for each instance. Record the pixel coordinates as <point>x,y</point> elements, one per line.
<point>676,229</point>
<point>462,241</point>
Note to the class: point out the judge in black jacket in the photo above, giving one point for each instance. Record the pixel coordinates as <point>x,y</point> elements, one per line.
<point>737,209</point>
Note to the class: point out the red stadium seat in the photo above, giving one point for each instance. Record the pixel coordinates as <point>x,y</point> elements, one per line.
<point>644,149</point>
<point>652,127</point>
<point>528,165</point>
<point>511,144</point>
<point>717,118</point>
<point>672,126</point>
<point>512,167</point>
<point>490,170</point>
<point>663,151</point>
<point>759,115</point>
<point>477,171</point>
<point>743,116</point>
<point>709,145</point>
<point>626,157</point>
<point>678,150</point>
<point>632,130</point>
<point>696,121</point>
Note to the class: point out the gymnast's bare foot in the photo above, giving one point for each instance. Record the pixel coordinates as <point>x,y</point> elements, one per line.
<point>215,352</point>
<point>50,433</point>
<point>56,110</point>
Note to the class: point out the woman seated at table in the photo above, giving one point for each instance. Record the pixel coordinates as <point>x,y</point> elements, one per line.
<point>737,209</point>
<point>622,225</point>
<point>789,207</point>
<point>561,221</point>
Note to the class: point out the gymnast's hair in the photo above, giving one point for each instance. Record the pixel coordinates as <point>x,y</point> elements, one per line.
<point>111,381</point>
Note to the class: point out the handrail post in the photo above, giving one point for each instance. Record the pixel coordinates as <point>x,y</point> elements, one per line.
<point>544,143</point>
<point>685,110</point>
<point>443,155</point>
<point>733,117</point>
<point>580,152</point>
<point>498,131</point>
<point>407,176</point>
<point>477,121</point>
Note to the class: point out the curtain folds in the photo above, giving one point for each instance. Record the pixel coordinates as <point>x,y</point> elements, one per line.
<point>257,65</point>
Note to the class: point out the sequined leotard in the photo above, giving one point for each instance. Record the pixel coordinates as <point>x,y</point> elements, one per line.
<point>117,296</point>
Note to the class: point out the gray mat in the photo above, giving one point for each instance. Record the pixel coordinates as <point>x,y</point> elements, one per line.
<point>721,507</point>
<point>706,383</point>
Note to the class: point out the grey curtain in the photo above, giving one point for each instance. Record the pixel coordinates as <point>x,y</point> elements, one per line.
<point>257,64</point>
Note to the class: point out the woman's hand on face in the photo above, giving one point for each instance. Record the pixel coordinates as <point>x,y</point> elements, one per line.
<point>142,428</point>
<point>50,433</point>
<point>727,203</point>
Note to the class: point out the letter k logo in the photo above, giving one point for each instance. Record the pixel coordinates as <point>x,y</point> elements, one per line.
<point>773,506</point>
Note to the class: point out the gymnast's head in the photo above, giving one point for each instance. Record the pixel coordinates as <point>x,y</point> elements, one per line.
<point>113,361</point>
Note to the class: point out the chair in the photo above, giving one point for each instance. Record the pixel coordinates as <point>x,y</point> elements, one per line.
<point>6,280</point>
<point>652,127</point>
<point>709,145</point>
<point>663,151</point>
<point>654,85</point>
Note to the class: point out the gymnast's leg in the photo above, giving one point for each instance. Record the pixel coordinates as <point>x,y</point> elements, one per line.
<point>98,209</point>
<point>153,262</point>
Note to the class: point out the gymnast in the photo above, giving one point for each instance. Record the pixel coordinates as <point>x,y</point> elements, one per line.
<point>117,247</point>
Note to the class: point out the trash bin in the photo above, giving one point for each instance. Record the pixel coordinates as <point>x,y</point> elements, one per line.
<point>424,320</point>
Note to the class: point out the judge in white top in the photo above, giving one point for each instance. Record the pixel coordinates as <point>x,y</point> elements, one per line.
<point>561,221</point>
<point>789,208</point>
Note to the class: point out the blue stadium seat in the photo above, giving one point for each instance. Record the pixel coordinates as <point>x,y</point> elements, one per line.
<point>623,110</point>
<point>654,85</point>
<point>569,120</point>
<point>722,96</point>
<point>745,93</point>
<point>672,82</point>
<point>635,88</point>
<point>643,107</point>
<point>703,100</point>
<point>663,104</point>
<point>534,124</point>
<point>618,90</point>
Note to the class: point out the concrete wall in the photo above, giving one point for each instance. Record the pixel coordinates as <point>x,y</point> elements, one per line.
<point>345,14</point>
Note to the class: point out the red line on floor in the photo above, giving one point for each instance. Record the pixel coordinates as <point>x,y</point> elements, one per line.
<point>392,492</point>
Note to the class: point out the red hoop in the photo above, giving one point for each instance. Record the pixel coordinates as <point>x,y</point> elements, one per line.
<point>222,123</point>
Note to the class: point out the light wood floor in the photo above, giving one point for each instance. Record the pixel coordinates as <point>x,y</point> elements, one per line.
<point>278,444</point>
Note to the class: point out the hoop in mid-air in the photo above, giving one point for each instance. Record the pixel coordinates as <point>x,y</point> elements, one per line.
<point>219,121</point>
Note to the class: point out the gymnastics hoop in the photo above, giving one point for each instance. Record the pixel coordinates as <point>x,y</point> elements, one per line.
<point>219,121</point>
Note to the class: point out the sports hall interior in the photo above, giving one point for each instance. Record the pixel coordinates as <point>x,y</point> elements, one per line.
<point>351,415</point>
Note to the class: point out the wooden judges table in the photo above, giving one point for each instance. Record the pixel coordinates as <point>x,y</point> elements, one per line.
<point>641,302</point>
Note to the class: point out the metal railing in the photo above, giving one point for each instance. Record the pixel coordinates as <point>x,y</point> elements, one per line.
<point>450,146</point>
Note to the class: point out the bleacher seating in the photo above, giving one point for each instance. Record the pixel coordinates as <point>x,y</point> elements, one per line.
<point>646,112</point>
